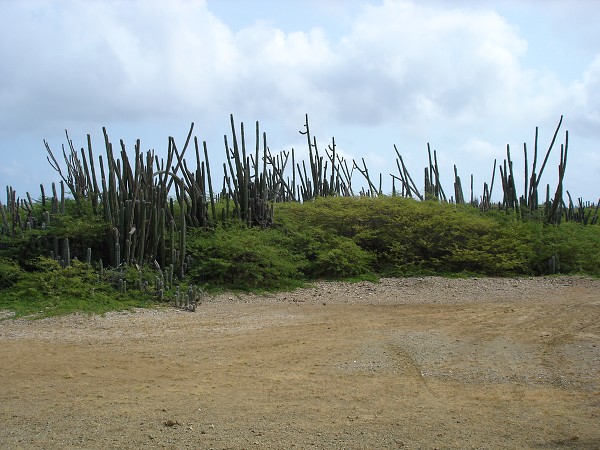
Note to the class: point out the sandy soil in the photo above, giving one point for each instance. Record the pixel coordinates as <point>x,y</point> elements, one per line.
<point>427,363</point>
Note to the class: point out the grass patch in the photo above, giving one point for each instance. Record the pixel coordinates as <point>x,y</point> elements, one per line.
<point>49,290</point>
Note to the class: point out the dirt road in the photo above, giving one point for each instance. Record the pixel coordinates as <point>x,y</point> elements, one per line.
<point>406,363</point>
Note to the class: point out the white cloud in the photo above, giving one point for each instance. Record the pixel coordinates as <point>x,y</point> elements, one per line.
<point>412,72</point>
<point>481,150</point>
<point>137,60</point>
<point>586,99</point>
<point>278,71</point>
<point>412,62</point>
<point>116,60</point>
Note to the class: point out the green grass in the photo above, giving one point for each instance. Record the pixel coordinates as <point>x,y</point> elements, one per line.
<point>50,290</point>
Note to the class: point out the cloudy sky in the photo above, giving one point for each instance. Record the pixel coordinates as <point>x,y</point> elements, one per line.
<point>466,76</point>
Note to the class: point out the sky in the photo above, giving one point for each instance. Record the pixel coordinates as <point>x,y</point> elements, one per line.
<point>466,76</point>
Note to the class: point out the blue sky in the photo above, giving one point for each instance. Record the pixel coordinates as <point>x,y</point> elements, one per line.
<point>468,77</point>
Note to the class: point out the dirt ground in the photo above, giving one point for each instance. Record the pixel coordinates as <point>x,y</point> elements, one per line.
<point>427,363</point>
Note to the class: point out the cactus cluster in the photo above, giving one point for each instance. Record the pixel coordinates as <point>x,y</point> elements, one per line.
<point>150,203</point>
<point>190,299</point>
<point>318,183</point>
<point>554,208</point>
<point>134,195</point>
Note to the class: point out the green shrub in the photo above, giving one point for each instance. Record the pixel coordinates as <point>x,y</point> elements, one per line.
<point>331,256</point>
<point>575,248</point>
<point>83,233</point>
<point>243,258</point>
<point>322,233</point>
<point>49,290</point>
<point>10,272</point>
<point>404,237</point>
<point>333,238</point>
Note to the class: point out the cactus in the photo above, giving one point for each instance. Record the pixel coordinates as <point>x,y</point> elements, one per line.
<point>43,197</point>
<point>5,227</point>
<point>142,242</point>
<point>408,185</point>
<point>555,214</point>
<point>66,256</point>
<point>458,191</point>
<point>553,265</point>
<point>117,254</point>
<point>153,233</point>
<point>172,240</point>
<point>536,177</point>
<point>127,251</point>
<point>182,244</point>
<point>62,197</point>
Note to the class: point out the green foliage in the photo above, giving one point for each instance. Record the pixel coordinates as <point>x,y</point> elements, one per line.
<point>331,256</point>
<point>456,238</point>
<point>575,247</point>
<point>10,272</point>
<point>406,237</point>
<point>51,290</point>
<point>82,232</point>
<point>243,258</point>
<point>323,239</point>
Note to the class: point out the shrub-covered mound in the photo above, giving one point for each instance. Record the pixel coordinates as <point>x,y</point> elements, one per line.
<point>330,237</point>
<point>360,237</point>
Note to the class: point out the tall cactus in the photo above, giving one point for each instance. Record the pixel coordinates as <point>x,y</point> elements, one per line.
<point>66,256</point>
<point>555,214</point>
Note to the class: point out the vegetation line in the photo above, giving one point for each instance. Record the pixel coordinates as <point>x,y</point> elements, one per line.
<point>150,229</point>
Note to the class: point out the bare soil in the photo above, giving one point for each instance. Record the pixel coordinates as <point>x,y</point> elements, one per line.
<point>405,363</point>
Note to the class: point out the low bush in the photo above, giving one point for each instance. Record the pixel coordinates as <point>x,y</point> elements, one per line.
<point>567,248</point>
<point>49,289</point>
<point>400,236</point>
<point>10,272</point>
<point>243,258</point>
